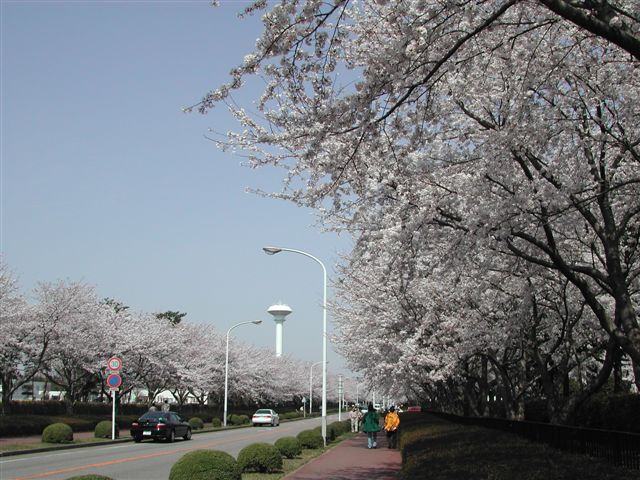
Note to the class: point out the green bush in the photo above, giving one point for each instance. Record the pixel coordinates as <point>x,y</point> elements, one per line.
<point>103,430</point>
<point>289,447</point>
<point>260,457</point>
<point>196,423</point>
<point>18,425</point>
<point>310,439</point>
<point>28,407</point>
<point>206,465</point>
<point>90,477</point>
<point>216,422</point>
<point>335,429</point>
<point>57,433</point>
<point>238,419</point>
<point>338,428</point>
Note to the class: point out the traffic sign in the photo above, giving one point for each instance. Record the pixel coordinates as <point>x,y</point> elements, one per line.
<point>114,363</point>
<point>114,381</point>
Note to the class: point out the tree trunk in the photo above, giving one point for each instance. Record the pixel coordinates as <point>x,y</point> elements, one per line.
<point>68,404</point>
<point>484,387</point>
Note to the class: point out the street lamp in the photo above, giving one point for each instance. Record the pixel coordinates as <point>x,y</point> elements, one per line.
<point>273,251</point>
<point>226,366</point>
<point>311,385</point>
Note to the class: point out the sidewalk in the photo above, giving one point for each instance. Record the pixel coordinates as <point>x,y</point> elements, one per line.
<point>352,460</point>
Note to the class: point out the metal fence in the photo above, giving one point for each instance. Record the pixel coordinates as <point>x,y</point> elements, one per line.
<point>618,448</point>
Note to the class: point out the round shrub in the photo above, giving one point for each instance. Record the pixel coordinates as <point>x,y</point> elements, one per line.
<point>196,423</point>
<point>310,439</point>
<point>103,430</point>
<point>216,422</point>
<point>57,433</point>
<point>206,465</point>
<point>289,447</point>
<point>338,428</point>
<point>238,419</point>
<point>260,457</point>
<point>90,477</point>
<point>243,419</point>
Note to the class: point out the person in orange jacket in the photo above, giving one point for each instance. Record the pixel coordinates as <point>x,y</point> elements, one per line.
<point>391,424</point>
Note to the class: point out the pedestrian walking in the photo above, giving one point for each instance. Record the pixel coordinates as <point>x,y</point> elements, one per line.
<point>391,424</point>
<point>371,426</point>
<point>354,416</point>
<point>165,406</point>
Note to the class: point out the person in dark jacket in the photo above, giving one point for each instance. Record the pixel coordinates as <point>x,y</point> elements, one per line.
<point>371,426</point>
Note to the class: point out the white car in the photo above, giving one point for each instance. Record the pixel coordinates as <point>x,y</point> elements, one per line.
<point>265,416</point>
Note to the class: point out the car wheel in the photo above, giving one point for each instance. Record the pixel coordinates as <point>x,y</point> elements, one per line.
<point>137,439</point>
<point>172,436</point>
<point>187,436</point>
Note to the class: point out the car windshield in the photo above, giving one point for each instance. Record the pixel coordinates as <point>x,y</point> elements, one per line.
<point>263,412</point>
<point>154,416</point>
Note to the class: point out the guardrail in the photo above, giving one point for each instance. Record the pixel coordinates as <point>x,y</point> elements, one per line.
<point>618,448</point>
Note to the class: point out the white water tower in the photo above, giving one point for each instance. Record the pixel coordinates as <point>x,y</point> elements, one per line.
<point>279,312</point>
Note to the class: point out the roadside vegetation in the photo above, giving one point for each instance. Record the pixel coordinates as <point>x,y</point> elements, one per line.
<point>440,450</point>
<point>30,426</point>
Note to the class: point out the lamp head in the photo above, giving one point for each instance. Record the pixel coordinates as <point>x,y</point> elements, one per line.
<point>257,322</point>
<point>271,250</point>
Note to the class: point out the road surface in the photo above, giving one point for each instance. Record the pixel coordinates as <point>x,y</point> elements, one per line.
<point>140,461</point>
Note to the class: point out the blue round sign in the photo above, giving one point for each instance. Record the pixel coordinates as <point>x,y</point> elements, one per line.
<point>114,380</point>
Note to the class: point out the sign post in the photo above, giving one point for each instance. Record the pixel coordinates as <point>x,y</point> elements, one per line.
<point>114,380</point>
<point>340,392</point>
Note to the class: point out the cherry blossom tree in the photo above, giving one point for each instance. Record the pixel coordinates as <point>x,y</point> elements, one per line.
<point>505,127</point>
<point>23,342</point>
<point>75,311</point>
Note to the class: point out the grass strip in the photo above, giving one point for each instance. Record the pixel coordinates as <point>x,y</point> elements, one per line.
<point>435,449</point>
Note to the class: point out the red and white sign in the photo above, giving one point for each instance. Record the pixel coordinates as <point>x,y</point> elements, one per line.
<point>114,363</point>
<point>114,381</point>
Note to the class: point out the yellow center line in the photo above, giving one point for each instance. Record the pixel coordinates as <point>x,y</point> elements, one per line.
<point>106,463</point>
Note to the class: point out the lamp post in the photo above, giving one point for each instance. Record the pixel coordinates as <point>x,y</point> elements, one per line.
<point>226,366</point>
<point>311,385</point>
<point>273,251</point>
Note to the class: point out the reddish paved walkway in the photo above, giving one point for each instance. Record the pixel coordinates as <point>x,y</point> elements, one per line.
<point>352,460</point>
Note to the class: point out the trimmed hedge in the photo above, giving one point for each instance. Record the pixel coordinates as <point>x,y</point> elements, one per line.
<point>57,433</point>
<point>335,429</point>
<point>22,425</point>
<point>260,457</point>
<point>238,419</point>
<point>216,422</point>
<point>103,429</point>
<point>289,447</point>
<point>310,439</point>
<point>206,465</point>
<point>58,408</point>
<point>196,423</point>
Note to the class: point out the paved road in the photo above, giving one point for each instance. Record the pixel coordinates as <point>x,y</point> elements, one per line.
<point>140,461</point>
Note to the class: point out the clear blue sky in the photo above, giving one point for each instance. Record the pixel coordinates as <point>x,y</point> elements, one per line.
<point>105,180</point>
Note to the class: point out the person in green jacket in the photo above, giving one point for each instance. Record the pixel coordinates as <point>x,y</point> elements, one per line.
<point>371,426</point>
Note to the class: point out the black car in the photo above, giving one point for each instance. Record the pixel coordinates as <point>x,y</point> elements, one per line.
<point>164,425</point>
